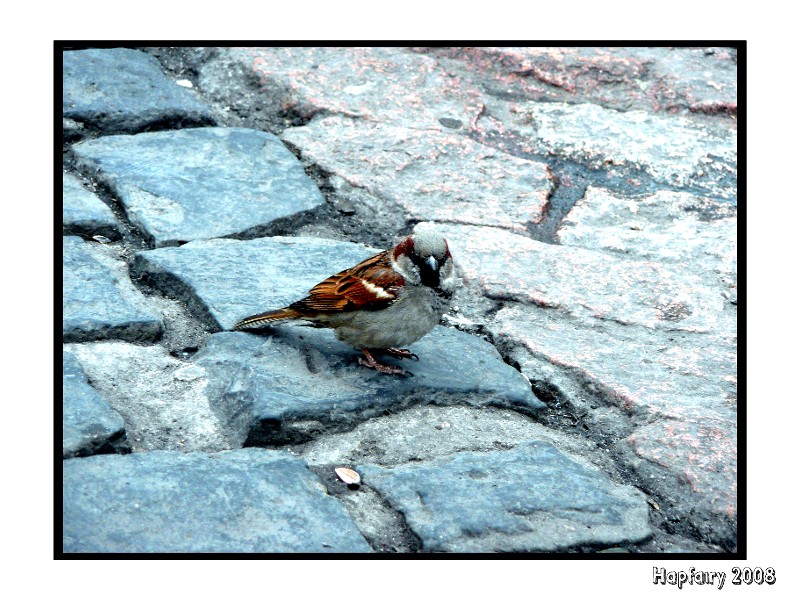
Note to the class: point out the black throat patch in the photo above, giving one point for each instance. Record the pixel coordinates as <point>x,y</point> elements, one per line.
<point>429,276</point>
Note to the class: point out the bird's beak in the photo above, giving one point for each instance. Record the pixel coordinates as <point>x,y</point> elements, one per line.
<point>432,263</point>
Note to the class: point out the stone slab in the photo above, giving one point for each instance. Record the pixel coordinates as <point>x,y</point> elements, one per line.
<point>223,281</point>
<point>674,227</point>
<point>665,402</point>
<point>90,425</point>
<point>529,499</point>
<point>163,399</point>
<point>584,283</point>
<point>640,370</point>
<point>300,381</point>
<point>666,79</point>
<point>120,90</point>
<point>84,213</point>
<point>428,432</point>
<point>178,186</point>
<point>673,150</point>
<point>249,500</point>
<point>431,175</point>
<point>99,302</point>
<point>384,84</point>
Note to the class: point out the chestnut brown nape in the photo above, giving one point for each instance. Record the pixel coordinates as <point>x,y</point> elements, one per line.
<point>405,247</point>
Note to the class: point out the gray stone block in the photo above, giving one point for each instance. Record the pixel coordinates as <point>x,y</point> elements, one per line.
<point>178,186</point>
<point>663,79</point>
<point>667,400</point>
<point>249,500</point>
<point>510,267</point>
<point>163,400</point>
<point>431,175</point>
<point>644,372</point>
<point>529,499</point>
<point>98,303</point>
<point>370,84</point>
<point>85,213</point>
<point>301,381</point>
<point>120,90</point>
<point>90,425</point>
<point>674,227</point>
<point>673,150</point>
<point>223,281</point>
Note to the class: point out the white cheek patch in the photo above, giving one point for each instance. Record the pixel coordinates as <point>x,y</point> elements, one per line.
<point>407,269</point>
<point>448,280</point>
<point>376,289</point>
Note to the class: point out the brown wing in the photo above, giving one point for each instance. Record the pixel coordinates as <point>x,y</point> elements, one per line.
<point>369,285</point>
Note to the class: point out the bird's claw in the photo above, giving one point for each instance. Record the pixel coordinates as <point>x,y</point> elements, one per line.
<point>402,353</point>
<point>386,369</point>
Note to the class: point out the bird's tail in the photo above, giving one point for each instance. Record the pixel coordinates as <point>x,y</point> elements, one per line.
<point>265,318</point>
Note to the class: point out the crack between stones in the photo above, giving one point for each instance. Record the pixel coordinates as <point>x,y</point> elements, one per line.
<point>391,533</point>
<point>358,214</point>
<point>296,430</point>
<point>411,542</point>
<point>130,235</point>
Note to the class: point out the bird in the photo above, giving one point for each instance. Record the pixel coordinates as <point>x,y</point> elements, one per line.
<point>383,303</point>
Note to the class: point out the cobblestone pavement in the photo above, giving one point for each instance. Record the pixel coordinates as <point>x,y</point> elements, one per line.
<point>581,395</point>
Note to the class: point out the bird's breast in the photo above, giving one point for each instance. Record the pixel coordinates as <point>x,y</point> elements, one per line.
<point>416,311</point>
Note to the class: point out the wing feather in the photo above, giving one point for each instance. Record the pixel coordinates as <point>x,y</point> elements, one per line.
<point>370,285</point>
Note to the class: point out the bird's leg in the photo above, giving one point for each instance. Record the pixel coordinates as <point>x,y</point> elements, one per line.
<point>374,364</point>
<point>402,353</point>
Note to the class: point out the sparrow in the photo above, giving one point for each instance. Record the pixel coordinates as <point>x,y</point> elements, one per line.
<point>385,302</point>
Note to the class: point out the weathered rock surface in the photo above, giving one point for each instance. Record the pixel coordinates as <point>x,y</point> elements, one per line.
<point>674,227</point>
<point>673,150</point>
<point>529,499</point>
<point>84,213</point>
<point>450,86</point>
<point>249,500</point>
<point>697,234</point>
<point>427,432</point>
<point>203,183</point>
<point>639,370</point>
<point>164,400</point>
<point>430,175</point>
<point>694,462</point>
<point>506,266</point>
<point>702,80</point>
<point>693,453</point>
<point>90,425</point>
<point>660,359</point>
<point>223,281</point>
<point>301,381</point>
<point>375,84</point>
<point>671,397</point>
<point>118,90</point>
<point>99,301</point>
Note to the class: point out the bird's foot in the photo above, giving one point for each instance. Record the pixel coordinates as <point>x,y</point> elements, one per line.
<point>374,364</point>
<point>401,353</point>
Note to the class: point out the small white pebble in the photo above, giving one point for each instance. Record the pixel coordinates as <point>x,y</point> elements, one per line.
<point>184,83</point>
<point>349,476</point>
